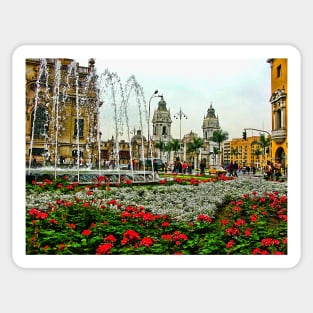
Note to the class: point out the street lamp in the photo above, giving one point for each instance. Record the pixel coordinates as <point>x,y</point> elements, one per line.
<point>155,94</point>
<point>179,116</point>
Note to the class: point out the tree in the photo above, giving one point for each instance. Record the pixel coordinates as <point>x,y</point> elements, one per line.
<point>168,149</point>
<point>215,152</point>
<point>160,145</point>
<point>175,145</point>
<point>219,136</point>
<point>234,151</point>
<point>194,147</point>
<point>265,143</point>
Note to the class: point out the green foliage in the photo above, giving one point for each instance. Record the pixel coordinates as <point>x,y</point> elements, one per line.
<point>252,224</point>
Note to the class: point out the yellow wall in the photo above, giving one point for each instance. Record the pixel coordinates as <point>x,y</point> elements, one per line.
<point>279,84</point>
<point>246,150</point>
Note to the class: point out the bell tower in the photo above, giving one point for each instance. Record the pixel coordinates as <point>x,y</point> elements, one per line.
<point>161,123</point>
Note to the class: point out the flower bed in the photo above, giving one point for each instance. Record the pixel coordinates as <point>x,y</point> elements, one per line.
<point>222,217</point>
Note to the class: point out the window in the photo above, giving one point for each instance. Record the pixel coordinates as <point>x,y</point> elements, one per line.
<point>37,151</point>
<point>164,132</point>
<point>279,71</point>
<point>80,129</point>
<point>39,124</point>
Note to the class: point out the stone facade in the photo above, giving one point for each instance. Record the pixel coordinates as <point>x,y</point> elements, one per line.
<point>62,108</point>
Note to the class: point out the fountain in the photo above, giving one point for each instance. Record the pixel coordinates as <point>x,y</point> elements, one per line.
<point>66,98</point>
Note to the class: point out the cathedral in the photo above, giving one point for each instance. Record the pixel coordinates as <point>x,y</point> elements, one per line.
<point>209,126</point>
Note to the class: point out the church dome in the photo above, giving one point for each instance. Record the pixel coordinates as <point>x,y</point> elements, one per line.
<point>138,136</point>
<point>162,104</point>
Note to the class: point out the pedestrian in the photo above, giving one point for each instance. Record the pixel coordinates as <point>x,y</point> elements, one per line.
<point>34,162</point>
<point>235,168</point>
<point>277,170</point>
<point>268,170</point>
<point>202,167</point>
<point>155,165</point>
<point>231,168</point>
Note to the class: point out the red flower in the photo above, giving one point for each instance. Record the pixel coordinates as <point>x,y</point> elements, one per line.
<point>165,224</point>
<point>204,218</point>
<point>232,231</point>
<point>53,221</point>
<point>240,222</point>
<point>248,232</point>
<point>130,235</point>
<point>100,178</point>
<point>61,246</point>
<point>269,242</point>
<point>254,218</point>
<point>166,237</point>
<point>104,248</point>
<point>112,202</point>
<point>33,212</point>
<point>86,232</point>
<point>230,243</point>
<point>256,251</point>
<point>110,238</point>
<point>147,242</point>
<point>237,208</point>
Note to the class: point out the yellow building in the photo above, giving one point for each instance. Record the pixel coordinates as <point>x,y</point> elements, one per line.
<point>62,108</point>
<point>279,104</point>
<point>245,152</point>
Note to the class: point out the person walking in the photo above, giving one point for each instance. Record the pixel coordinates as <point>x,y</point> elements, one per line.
<point>231,168</point>
<point>235,169</point>
<point>202,167</point>
<point>268,170</point>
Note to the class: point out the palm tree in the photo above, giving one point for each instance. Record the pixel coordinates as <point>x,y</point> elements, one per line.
<point>175,145</point>
<point>234,151</point>
<point>215,152</point>
<point>160,145</point>
<point>257,153</point>
<point>219,136</point>
<point>265,143</point>
<point>194,147</point>
<point>168,149</point>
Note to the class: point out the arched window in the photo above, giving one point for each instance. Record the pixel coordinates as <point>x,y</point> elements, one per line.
<point>39,123</point>
<point>164,131</point>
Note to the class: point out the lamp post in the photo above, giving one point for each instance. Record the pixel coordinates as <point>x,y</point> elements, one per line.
<point>155,94</point>
<point>179,116</point>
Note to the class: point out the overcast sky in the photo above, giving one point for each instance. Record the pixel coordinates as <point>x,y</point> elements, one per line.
<point>239,90</point>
